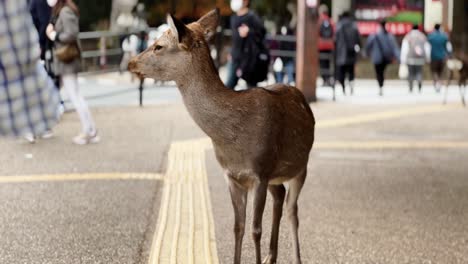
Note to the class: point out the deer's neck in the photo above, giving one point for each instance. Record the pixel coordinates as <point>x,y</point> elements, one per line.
<point>208,101</point>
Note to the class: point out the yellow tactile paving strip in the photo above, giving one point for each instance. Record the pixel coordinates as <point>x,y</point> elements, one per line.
<point>80,177</point>
<point>384,115</point>
<point>391,145</point>
<point>185,229</point>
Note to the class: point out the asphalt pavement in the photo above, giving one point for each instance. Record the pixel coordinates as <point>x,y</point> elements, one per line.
<point>387,183</point>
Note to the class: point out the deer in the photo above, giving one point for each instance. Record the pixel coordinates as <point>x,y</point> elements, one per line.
<point>261,137</point>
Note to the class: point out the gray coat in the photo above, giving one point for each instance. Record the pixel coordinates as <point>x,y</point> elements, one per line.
<point>347,36</point>
<point>67,29</point>
<point>382,47</point>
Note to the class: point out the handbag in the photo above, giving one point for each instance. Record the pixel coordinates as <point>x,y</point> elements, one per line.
<point>68,52</point>
<point>403,71</point>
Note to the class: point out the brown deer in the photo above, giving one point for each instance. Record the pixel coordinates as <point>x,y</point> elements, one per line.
<point>262,136</point>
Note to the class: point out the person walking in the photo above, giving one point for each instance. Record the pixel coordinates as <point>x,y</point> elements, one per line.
<point>415,51</point>
<point>64,34</point>
<point>40,12</point>
<point>248,59</point>
<point>326,44</point>
<point>440,51</point>
<point>383,49</point>
<point>29,102</point>
<point>288,63</point>
<point>347,47</point>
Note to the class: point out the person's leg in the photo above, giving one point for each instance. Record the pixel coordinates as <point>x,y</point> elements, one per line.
<point>379,75</point>
<point>279,77</point>
<point>411,77</point>
<point>351,77</point>
<point>289,67</point>
<point>439,72</point>
<point>232,78</point>
<point>340,76</point>
<point>325,66</point>
<point>435,78</point>
<point>419,69</point>
<point>70,83</point>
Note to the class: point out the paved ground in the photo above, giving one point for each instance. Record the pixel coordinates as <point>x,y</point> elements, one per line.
<point>387,183</point>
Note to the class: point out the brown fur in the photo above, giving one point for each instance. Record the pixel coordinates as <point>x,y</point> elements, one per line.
<point>262,137</point>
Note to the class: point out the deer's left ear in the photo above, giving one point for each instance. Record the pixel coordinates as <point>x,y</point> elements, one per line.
<point>209,23</point>
<point>177,27</point>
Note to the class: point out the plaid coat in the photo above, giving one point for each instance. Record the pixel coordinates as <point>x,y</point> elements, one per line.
<point>28,99</point>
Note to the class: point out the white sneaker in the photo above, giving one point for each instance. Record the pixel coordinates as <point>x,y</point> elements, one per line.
<point>30,138</point>
<point>48,134</point>
<point>84,139</point>
<point>61,109</point>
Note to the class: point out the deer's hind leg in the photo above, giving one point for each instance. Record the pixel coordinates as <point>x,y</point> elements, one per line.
<point>295,186</point>
<point>278,192</point>
<point>260,193</point>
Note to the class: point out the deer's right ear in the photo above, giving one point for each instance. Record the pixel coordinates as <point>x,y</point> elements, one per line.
<point>177,27</point>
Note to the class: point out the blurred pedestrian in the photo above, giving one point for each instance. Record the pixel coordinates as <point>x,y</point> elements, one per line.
<point>326,44</point>
<point>441,48</point>
<point>67,64</point>
<point>347,47</point>
<point>28,99</point>
<point>287,62</point>
<point>130,45</point>
<point>415,51</point>
<point>40,12</point>
<point>249,58</point>
<point>383,50</point>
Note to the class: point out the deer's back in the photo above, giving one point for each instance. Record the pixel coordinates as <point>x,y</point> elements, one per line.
<point>275,133</point>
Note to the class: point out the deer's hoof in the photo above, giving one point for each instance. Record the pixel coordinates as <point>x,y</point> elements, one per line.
<point>269,260</point>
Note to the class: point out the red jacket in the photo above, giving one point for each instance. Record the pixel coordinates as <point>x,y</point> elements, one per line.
<point>326,44</point>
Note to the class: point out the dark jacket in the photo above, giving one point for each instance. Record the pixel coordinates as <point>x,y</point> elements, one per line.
<point>256,32</point>
<point>40,12</point>
<point>347,36</point>
<point>287,46</point>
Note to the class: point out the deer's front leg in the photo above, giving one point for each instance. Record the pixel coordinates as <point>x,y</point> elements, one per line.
<point>239,201</point>
<point>260,192</point>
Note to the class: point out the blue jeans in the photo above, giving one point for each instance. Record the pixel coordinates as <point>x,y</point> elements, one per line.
<point>289,67</point>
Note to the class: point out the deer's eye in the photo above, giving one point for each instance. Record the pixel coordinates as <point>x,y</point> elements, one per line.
<point>158,47</point>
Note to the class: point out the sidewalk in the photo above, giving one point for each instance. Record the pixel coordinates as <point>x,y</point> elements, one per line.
<point>387,184</point>
<point>118,89</point>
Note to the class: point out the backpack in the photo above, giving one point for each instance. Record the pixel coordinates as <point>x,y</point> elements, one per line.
<point>387,52</point>
<point>416,48</point>
<point>326,29</point>
<point>255,63</point>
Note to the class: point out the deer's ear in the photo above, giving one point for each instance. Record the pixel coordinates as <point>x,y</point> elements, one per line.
<point>177,27</point>
<point>209,23</point>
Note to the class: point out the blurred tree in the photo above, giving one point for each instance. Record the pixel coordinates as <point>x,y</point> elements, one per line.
<point>92,12</point>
